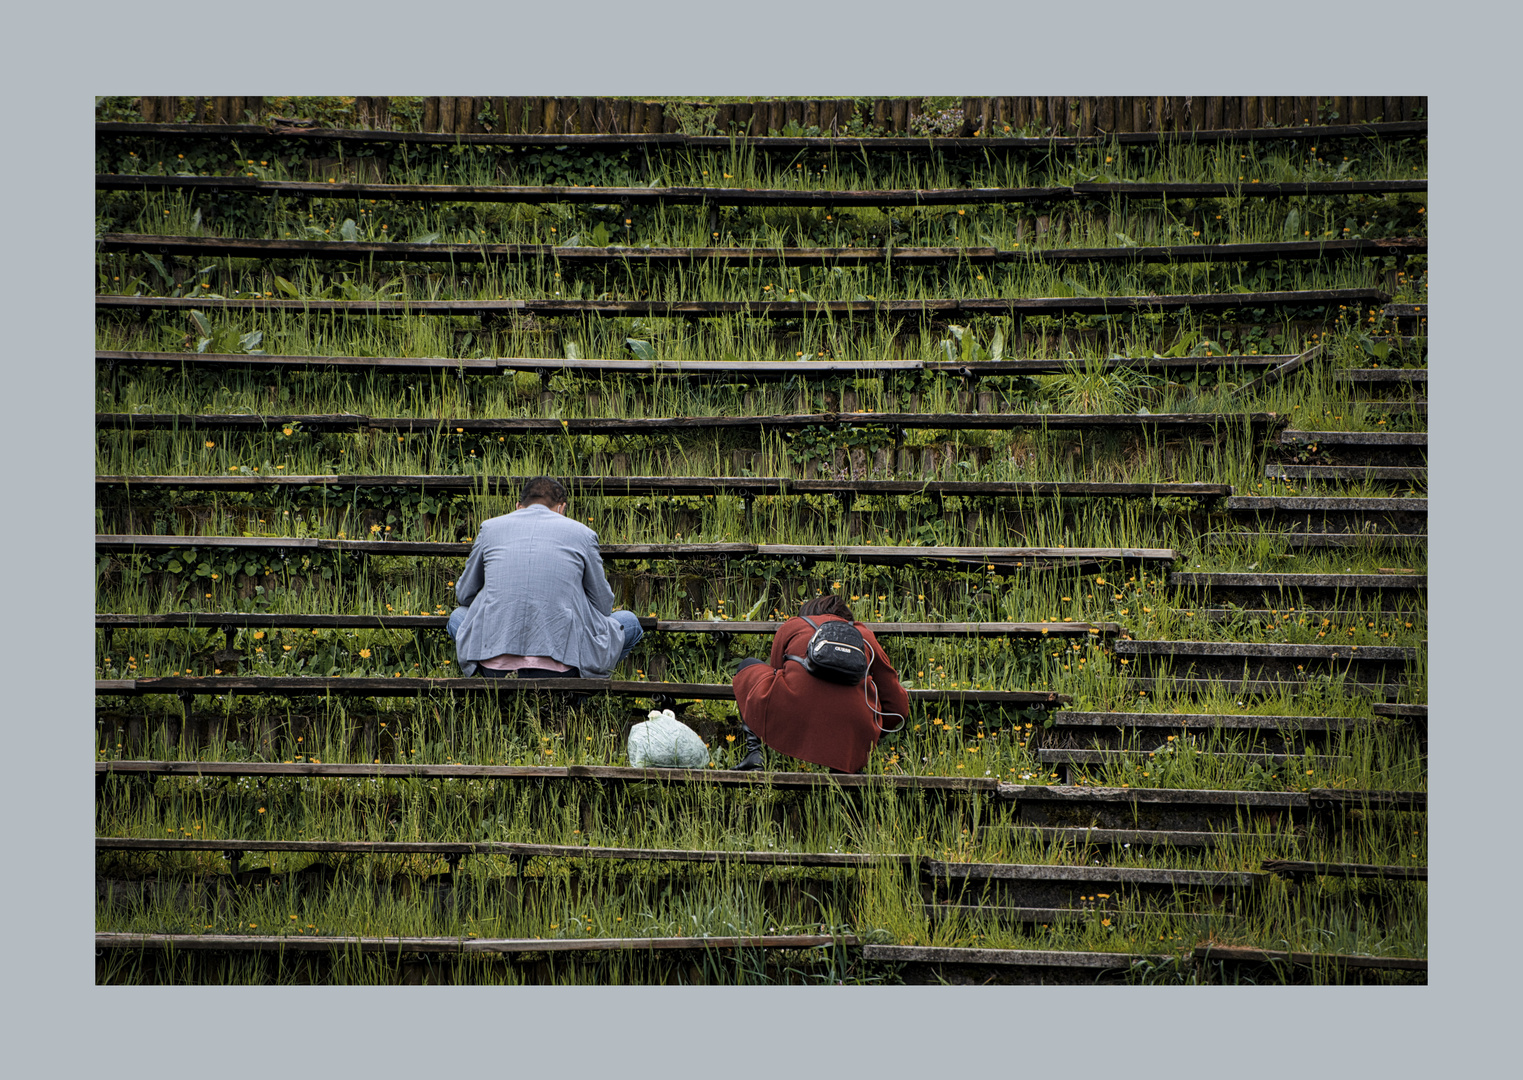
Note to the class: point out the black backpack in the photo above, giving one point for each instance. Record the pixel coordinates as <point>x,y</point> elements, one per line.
<point>837,653</point>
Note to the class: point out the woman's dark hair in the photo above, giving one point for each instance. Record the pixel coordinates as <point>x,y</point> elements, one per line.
<point>827,605</point>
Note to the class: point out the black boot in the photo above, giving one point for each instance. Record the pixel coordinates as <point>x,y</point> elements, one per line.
<point>753,758</point>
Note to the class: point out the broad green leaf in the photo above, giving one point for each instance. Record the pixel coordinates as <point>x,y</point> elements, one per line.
<point>201,321</point>
<point>348,230</point>
<point>153,261</point>
<point>644,350</point>
<point>286,287</point>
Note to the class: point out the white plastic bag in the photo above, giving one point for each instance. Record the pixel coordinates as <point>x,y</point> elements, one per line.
<point>665,742</point>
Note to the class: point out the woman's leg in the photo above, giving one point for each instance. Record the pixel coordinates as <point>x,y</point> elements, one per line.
<point>754,758</point>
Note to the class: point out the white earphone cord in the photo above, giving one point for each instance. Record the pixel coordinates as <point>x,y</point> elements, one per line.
<point>868,681</point>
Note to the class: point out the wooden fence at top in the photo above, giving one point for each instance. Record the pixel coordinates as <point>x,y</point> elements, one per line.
<point>887,116</point>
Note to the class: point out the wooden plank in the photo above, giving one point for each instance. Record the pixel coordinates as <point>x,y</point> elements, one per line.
<point>1293,437</point>
<point>757,370</point>
<point>558,851</point>
<point>1352,473</point>
<point>1219,579</point>
<point>921,310</point>
<point>653,136</point>
<point>1215,879</point>
<point>1086,961</point>
<point>1235,649</point>
<point>721,777</point>
<point>601,425</point>
<point>1240,955</point>
<point>251,620</point>
<point>992,556</point>
<point>736,196</point>
<point>614,486</point>
<point>1302,539</point>
<point>1315,503</point>
<point>1276,374</point>
<point>1203,722</point>
<point>323,943</point>
<point>1292,868</point>
<point>130,542</point>
<point>401,686</point>
<point>368,252</point>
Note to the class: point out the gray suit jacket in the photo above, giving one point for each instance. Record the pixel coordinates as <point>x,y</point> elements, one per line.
<point>534,586</point>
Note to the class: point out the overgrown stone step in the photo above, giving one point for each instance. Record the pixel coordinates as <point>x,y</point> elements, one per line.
<point>370,252</point>
<point>1189,809</point>
<point>455,850</point>
<point>1146,731</point>
<point>1408,383</point>
<point>1303,590</point>
<point>382,140</point>
<point>1186,691</point>
<point>1354,447</point>
<point>1341,967</point>
<point>1072,763</point>
<point>935,965</point>
<point>1305,538</point>
<point>1353,474</point>
<point>1297,870</point>
<point>744,486</point>
<point>1414,378</point>
<point>1331,514</point>
<point>298,943</point>
<point>1121,839</point>
<point>826,198</point>
<point>805,554</point>
<point>1403,712</point>
<point>1032,916</point>
<point>925,310</point>
<point>1152,809</point>
<point>230,621</point>
<point>1089,888</point>
<point>1273,616</point>
<point>593,425</point>
<point>1266,658</point>
<point>729,371</point>
<point>597,774</point>
<point>402,686</point>
<point>1296,437</point>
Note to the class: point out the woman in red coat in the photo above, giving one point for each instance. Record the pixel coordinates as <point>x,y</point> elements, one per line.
<point>806,717</point>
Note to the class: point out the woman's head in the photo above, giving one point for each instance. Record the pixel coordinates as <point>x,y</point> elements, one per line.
<point>826,605</point>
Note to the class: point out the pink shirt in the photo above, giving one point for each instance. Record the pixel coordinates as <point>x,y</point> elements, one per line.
<point>509,662</point>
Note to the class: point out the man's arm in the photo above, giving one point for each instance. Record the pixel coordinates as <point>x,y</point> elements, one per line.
<point>594,580</point>
<point>473,577</point>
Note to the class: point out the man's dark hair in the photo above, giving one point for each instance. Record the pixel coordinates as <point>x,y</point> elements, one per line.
<point>544,490</point>
<point>827,605</point>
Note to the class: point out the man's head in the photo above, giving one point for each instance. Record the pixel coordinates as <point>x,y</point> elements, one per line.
<point>543,491</point>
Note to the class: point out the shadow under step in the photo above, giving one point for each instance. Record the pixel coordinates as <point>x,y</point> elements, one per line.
<point>1298,870</point>
<point>1141,732</point>
<point>1302,590</point>
<point>1349,474</point>
<point>1081,888</point>
<point>1072,762</point>
<point>1305,538</point>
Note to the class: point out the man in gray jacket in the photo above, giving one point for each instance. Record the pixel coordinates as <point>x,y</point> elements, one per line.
<point>534,598</point>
